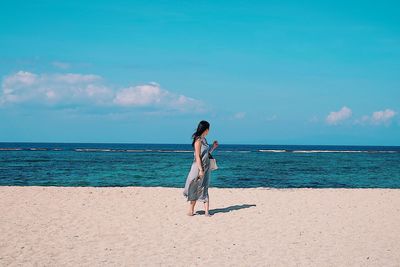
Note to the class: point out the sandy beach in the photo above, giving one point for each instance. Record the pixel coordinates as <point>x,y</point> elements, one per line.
<point>139,226</point>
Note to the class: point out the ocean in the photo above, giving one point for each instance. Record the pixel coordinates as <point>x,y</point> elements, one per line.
<point>167,165</point>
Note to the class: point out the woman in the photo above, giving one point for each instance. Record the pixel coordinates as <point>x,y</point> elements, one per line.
<point>198,179</point>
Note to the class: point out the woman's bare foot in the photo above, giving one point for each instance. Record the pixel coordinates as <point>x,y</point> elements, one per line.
<point>207,214</point>
<point>190,213</point>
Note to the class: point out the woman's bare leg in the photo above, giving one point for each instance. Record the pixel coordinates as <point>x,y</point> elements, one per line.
<point>206,208</point>
<point>191,207</point>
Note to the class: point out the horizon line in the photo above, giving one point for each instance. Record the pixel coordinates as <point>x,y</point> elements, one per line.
<point>139,143</point>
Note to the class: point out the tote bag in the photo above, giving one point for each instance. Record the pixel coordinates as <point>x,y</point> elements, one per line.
<point>213,163</point>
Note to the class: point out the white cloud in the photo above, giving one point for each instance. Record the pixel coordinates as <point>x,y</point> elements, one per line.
<point>89,89</point>
<point>141,95</point>
<point>13,86</point>
<point>336,117</point>
<point>26,87</point>
<point>383,116</point>
<point>73,78</point>
<point>21,78</point>
<point>153,95</point>
<point>378,117</point>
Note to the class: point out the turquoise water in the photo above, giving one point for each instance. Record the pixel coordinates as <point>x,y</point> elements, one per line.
<point>167,165</point>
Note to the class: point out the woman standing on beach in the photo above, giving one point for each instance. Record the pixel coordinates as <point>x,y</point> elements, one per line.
<point>198,179</point>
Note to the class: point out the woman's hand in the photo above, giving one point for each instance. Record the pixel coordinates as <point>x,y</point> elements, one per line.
<point>201,173</point>
<point>215,144</point>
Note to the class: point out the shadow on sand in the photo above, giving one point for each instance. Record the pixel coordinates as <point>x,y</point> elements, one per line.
<point>227,209</point>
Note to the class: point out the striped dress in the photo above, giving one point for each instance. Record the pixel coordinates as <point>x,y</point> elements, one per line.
<point>197,188</point>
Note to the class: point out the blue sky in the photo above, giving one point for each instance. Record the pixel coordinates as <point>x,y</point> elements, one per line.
<point>261,72</point>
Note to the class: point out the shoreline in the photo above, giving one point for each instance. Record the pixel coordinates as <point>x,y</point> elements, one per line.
<point>214,188</point>
<point>64,226</point>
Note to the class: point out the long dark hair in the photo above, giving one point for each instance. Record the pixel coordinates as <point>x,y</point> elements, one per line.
<point>203,125</point>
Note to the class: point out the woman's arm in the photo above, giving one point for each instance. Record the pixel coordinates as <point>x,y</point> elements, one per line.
<point>215,145</point>
<point>211,150</point>
<point>197,150</point>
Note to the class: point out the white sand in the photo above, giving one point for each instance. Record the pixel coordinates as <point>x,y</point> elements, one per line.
<point>136,226</point>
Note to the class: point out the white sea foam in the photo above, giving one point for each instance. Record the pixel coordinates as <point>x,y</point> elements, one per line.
<point>235,151</point>
<point>326,151</point>
<point>272,150</point>
<point>329,151</point>
<point>92,150</point>
<point>223,151</point>
<point>174,151</point>
<point>337,151</point>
